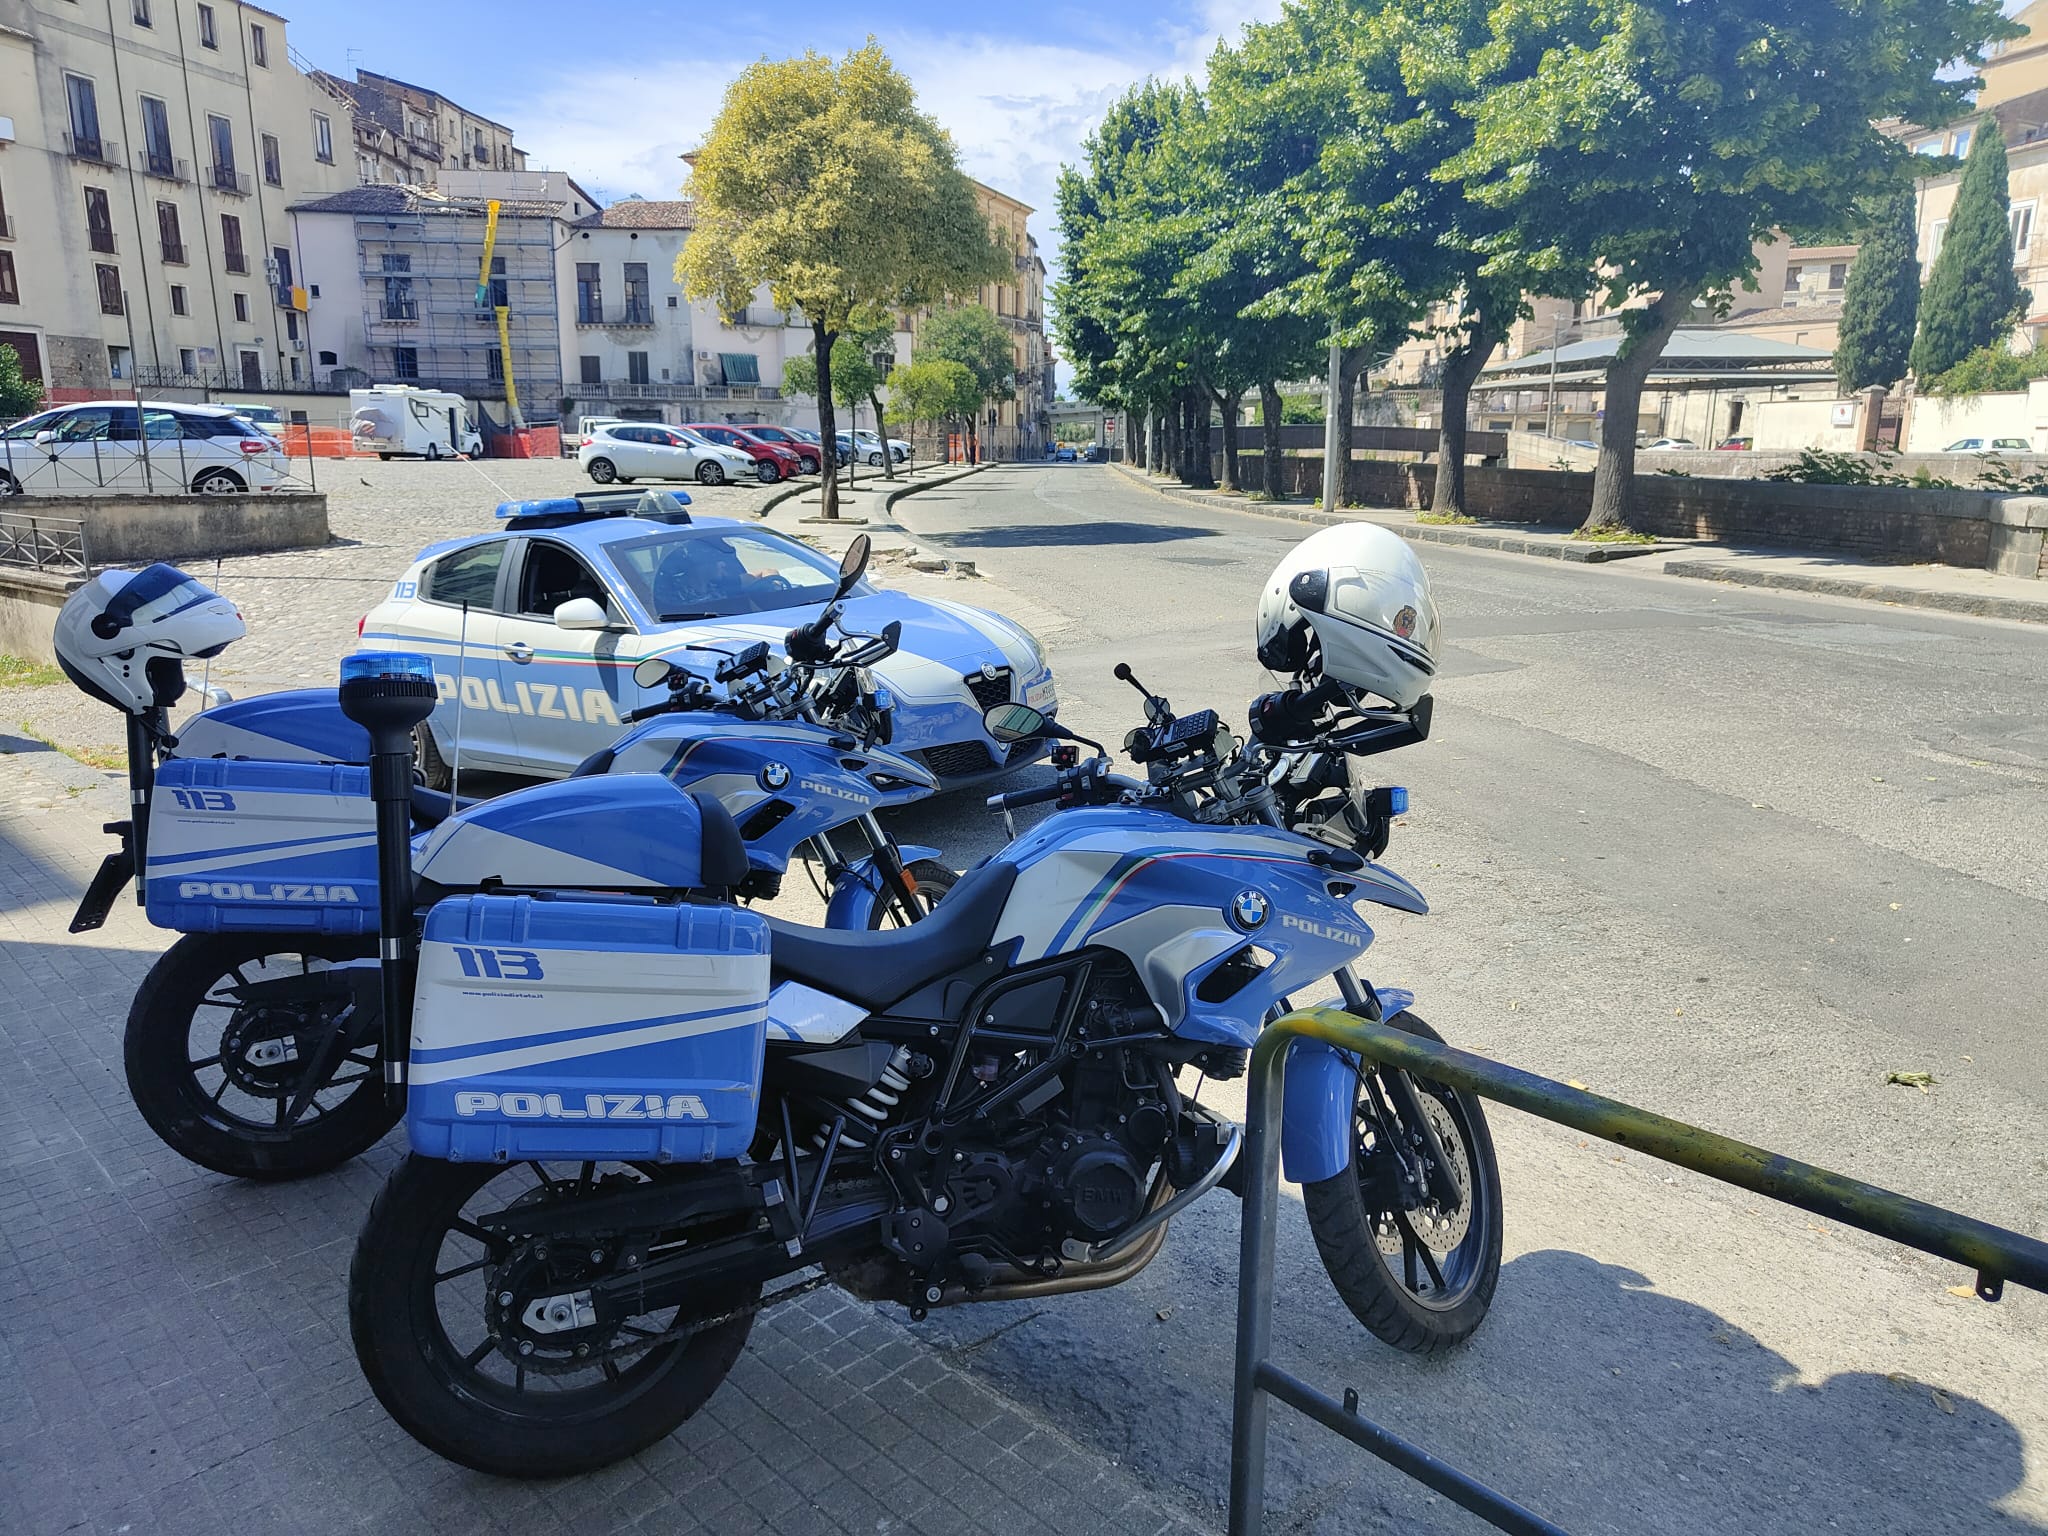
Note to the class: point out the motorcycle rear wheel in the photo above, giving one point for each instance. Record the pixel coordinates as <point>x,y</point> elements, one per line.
<point>184,1033</point>
<point>422,1288</point>
<point>1420,1279</point>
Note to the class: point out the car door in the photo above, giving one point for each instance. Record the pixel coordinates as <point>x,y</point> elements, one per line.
<point>469,664</point>
<point>566,685</point>
<point>84,458</point>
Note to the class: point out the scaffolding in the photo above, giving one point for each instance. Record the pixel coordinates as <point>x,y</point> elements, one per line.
<point>421,317</point>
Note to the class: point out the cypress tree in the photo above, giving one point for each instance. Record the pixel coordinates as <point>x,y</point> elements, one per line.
<point>1973,296</point>
<point>1881,301</point>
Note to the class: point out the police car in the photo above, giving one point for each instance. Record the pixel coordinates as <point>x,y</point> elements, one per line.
<point>534,629</point>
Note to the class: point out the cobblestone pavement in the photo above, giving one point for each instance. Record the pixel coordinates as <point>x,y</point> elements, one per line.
<point>174,1346</point>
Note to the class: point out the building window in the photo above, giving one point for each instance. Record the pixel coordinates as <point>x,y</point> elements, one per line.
<point>84,104</point>
<point>1935,239</point>
<point>188,361</point>
<point>99,221</point>
<point>639,308</point>
<point>592,369</point>
<point>2021,218</point>
<point>273,161</point>
<point>110,288</point>
<point>242,308</point>
<point>294,362</point>
<point>1961,142</point>
<point>1928,146</point>
<point>156,139</point>
<point>208,38</point>
<point>252,370</point>
<point>142,13</point>
<point>291,325</point>
<point>636,367</point>
<point>1792,279</point>
<point>1838,276</point>
<point>329,359</point>
<point>220,136</point>
<point>399,303</point>
<point>232,255</point>
<point>10,290</point>
<point>323,139</point>
<point>405,362</point>
<point>589,294</point>
<point>259,46</point>
<point>118,362</point>
<point>178,299</point>
<point>494,366</point>
<point>499,294</point>
<point>168,234</point>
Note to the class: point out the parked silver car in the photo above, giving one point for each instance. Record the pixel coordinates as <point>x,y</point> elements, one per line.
<point>114,447</point>
<point>623,451</point>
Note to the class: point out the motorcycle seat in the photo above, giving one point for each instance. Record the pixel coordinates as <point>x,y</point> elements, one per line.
<point>877,967</point>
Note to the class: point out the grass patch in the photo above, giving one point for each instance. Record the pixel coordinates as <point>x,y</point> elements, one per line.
<point>20,672</point>
<point>1446,519</point>
<point>111,759</point>
<point>1611,534</point>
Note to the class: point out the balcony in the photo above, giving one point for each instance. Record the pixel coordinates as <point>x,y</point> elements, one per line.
<point>225,178</point>
<point>100,151</point>
<point>635,316</point>
<point>174,254</point>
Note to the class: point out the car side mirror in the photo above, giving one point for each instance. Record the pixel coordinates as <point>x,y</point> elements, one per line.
<point>854,563</point>
<point>653,671</point>
<point>1015,722</point>
<point>581,613</point>
<point>45,437</point>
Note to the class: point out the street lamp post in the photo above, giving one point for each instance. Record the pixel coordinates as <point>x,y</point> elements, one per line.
<point>1556,344</point>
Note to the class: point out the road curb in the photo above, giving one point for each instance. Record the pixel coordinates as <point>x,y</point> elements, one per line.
<point>909,488</point>
<point>1983,606</point>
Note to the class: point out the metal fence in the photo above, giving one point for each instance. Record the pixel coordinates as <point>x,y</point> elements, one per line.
<point>38,541</point>
<point>1996,1254</point>
<point>150,467</point>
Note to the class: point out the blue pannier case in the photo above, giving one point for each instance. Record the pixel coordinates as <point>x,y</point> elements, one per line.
<point>284,847</point>
<point>587,1027</point>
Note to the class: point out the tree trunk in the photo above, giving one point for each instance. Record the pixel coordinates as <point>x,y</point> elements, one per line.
<point>1270,412</point>
<point>1614,476</point>
<point>882,432</point>
<point>828,446</point>
<point>1170,436</point>
<point>1461,369</point>
<point>1349,370</point>
<point>1229,403</point>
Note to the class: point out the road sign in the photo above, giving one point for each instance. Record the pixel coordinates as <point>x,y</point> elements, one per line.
<point>1109,426</point>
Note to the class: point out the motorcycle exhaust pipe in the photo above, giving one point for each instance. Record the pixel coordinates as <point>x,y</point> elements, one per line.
<point>387,693</point>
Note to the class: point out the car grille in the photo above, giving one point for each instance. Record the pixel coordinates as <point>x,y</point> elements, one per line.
<point>957,759</point>
<point>990,691</point>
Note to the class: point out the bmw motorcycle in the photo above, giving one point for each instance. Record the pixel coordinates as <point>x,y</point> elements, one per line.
<point>252,1047</point>
<point>632,1126</point>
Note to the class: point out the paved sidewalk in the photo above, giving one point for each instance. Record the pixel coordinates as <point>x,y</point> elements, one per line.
<point>175,1352</point>
<point>1948,588</point>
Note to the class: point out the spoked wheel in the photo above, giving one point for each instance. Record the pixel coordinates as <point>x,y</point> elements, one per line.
<point>224,1035</point>
<point>933,881</point>
<point>1419,1274</point>
<point>494,1351</point>
<point>711,472</point>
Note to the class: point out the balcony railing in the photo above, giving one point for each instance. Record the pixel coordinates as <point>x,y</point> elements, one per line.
<point>163,165</point>
<point>236,262</point>
<point>225,178</point>
<point>83,146</point>
<point>399,310</point>
<point>174,253</point>
<point>101,240</point>
<point>638,312</point>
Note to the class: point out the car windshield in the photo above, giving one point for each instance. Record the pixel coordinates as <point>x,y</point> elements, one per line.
<point>719,573</point>
<point>697,439</point>
<point>29,426</point>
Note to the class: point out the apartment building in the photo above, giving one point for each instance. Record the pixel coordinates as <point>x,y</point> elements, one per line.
<point>2024,121</point>
<point>148,153</point>
<point>407,135</point>
<point>393,276</point>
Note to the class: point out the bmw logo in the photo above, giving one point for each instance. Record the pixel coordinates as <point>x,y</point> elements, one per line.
<point>1248,909</point>
<point>774,775</point>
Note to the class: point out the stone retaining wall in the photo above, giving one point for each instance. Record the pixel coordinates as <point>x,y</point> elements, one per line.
<point>134,530</point>
<point>29,601</point>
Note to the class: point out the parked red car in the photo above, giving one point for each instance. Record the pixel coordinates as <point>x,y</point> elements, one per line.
<point>772,461</point>
<point>806,452</point>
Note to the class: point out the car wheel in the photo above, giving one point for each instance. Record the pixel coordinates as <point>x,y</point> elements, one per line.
<point>9,486</point>
<point>433,453</point>
<point>429,767</point>
<point>217,482</point>
<point>875,460</point>
<point>711,472</point>
<point>603,471</point>
<point>385,457</point>
<point>809,466</point>
<point>766,472</point>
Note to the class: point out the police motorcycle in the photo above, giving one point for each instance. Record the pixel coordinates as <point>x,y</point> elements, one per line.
<point>252,1046</point>
<point>627,1127</point>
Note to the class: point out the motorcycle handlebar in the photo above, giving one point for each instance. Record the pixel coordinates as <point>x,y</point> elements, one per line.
<point>1016,799</point>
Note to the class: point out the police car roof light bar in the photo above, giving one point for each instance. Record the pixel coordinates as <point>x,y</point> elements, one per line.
<point>661,506</point>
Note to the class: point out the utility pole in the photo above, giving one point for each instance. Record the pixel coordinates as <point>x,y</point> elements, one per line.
<point>1333,472</point>
<point>1556,343</point>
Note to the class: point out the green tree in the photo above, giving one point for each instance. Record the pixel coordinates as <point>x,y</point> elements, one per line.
<point>823,180</point>
<point>975,339</point>
<point>19,394</point>
<point>1881,301</point>
<point>934,389</point>
<point>1973,296</point>
<point>1655,142</point>
<point>854,373</point>
<point>1990,370</point>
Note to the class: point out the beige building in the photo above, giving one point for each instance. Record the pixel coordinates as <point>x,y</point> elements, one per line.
<point>148,151</point>
<point>2024,121</point>
<point>408,135</point>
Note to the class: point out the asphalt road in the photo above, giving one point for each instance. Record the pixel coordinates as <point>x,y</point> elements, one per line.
<point>1734,856</point>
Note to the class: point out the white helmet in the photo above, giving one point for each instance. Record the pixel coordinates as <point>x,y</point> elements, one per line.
<point>124,635</point>
<point>1351,603</point>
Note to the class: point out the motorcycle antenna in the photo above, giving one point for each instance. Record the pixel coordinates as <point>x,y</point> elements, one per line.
<point>1155,706</point>
<point>206,677</point>
<point>461,660</point>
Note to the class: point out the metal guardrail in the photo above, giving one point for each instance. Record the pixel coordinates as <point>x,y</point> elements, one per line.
<point>1997,1255</point>
<point>36,541</point>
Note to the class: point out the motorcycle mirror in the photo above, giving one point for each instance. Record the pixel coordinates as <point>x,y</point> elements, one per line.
<point>653,671</point>
<point>1016,722</point>
<point>893,633</point>
<point>854,563</point>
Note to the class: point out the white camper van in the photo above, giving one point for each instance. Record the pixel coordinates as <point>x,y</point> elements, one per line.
<point>394,419</point>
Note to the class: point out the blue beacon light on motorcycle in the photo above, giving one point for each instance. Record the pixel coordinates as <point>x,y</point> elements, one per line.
<point>1397,800</point>
<point>382,666</point>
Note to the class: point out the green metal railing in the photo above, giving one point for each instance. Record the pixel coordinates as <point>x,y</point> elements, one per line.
<point>1995,1254</point>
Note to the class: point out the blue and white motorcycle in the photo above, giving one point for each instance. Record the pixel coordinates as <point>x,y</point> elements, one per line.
<point>253,1047</point>
<point>631,1115</point>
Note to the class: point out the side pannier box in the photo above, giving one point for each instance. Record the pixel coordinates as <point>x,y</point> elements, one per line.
<point>288,847</point>
<point>587,1027</point>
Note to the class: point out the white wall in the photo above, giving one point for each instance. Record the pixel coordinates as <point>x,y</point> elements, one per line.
<point>1938,420</point>
<point>1798,424</point>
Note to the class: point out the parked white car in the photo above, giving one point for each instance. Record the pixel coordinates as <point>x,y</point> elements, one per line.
<point>588,427</point>
<point>871,447</point>
<point>1669,444</point>
<point>1989,445</point>
<point>624,451</point>
<point>112,447</point>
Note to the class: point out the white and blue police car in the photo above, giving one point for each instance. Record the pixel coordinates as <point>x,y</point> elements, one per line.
<point>535,626</point>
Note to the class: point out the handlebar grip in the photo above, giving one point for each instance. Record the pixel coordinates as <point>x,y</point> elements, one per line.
<point>1016,799</point>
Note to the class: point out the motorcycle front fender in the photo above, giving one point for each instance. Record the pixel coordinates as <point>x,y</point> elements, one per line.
<point>1317,1097</point>
<point>859,891</point>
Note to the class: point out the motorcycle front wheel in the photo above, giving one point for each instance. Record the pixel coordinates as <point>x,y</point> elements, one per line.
<point>933,881</point>
<point>221,1078</point>
<point>1418,1276</point>
<point>487,1349</point>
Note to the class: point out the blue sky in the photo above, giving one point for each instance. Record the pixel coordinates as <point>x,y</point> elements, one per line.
<point>612,92</point>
